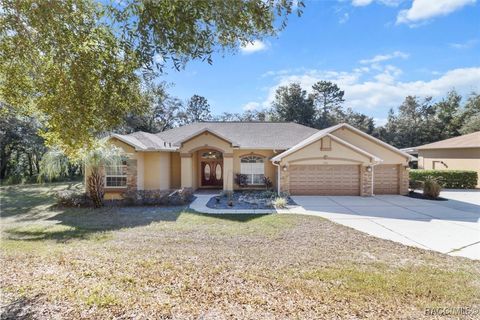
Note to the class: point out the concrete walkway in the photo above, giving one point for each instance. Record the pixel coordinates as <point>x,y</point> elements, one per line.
<point>450,227</point>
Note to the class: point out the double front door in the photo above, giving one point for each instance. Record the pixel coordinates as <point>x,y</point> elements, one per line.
<point>212,173</point>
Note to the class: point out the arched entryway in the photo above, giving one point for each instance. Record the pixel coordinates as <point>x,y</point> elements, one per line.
<point>211,168</point>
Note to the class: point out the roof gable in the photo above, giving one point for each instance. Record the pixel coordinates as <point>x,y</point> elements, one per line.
<point>319,135</point>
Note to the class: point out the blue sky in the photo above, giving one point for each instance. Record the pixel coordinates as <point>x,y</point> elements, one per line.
<point>377,51</point>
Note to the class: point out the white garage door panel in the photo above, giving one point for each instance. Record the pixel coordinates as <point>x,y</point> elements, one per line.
<point>385,179</point>
<point>324,179</point>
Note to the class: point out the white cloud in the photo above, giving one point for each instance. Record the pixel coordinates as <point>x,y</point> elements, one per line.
<point>251,106</point>
<point>423,10</point>
<point>365,89</point>
<point>464,45</point>
<point>255,46</point>
<point>385,57</point>
<point>361,3</point>
<point>344,18</point>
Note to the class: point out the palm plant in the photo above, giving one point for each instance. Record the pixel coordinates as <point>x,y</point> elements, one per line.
<point>55,164</point>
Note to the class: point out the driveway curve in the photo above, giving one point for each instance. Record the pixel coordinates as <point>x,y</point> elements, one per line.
<point>451,227</point>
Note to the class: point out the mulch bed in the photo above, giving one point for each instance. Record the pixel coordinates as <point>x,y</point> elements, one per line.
<point>417,195</point>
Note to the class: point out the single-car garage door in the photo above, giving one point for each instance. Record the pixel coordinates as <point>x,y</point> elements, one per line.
<point>324,180</point>
<point>385,179</point>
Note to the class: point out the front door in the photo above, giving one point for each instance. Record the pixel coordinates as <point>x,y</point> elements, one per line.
<point>212,173</point>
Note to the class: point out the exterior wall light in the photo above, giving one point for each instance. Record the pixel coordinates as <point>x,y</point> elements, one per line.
<point>369,169</point>
<point>284,168</point>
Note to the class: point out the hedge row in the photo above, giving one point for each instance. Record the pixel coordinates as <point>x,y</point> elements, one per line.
<point>454,179</point>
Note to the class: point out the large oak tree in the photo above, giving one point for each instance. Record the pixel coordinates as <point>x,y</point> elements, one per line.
<point>77,65</point>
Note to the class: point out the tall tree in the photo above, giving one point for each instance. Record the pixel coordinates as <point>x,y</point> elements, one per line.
<point>359,120</point>
<point>292,104</point>
<point>75,64</point>
<point>328,100</point>
<point>447,115</point>
<point>21,147</point>
<point>470,114</point>
<point>196,110</point>
<point>162,111</point>
<point>413,125</point>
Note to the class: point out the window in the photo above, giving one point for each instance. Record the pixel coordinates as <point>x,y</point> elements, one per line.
<point>254,168</point>
<point>116,175</point>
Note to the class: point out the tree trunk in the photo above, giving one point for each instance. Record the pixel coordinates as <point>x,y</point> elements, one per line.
<point>96,187</point>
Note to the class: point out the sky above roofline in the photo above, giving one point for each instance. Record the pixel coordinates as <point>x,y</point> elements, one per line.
<point>377,51</point>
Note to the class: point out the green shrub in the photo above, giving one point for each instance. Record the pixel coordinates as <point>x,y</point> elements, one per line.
<point>454,179</point>
<point>432,187</point>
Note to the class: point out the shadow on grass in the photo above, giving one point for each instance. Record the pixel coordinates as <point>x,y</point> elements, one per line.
<point>19,199</point>
<point>33,216</point>
<point>82,223</point>
<point>21,308</point>
<point>240,217</point>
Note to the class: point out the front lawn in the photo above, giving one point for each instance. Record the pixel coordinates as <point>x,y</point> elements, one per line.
<point>148,262</point>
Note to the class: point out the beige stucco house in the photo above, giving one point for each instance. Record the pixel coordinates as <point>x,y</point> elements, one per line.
<point>459,153</point>
<point>340,160</point>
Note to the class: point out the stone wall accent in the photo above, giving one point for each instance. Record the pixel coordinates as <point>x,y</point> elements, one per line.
<point>366,187</point>
<point>404,180</point>
<point>284,181</point>
<point>131,174</point>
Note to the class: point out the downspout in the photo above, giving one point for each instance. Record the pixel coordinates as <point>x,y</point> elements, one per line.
<point>278,176</point>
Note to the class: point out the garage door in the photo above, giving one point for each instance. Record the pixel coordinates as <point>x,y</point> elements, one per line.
<point>324,180</point>
<point>385,179</point>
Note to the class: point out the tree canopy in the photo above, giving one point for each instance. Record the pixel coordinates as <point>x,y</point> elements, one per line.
<point>76,65</point>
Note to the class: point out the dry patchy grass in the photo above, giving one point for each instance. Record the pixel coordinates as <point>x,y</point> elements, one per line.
<point>159,263</point>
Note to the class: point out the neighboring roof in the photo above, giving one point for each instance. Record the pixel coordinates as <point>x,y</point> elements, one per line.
<point>326,132</point>
<point>251,135</point>
<point>471,140</point>
<point>144,141</point>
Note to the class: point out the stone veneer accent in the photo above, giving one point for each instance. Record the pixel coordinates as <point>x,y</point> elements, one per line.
<point>366,188</point>
<point>404,177</point>
<point>284,181</point>
<point>131,174</point>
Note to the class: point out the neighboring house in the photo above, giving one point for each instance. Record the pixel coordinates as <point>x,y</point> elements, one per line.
<point>340,160</point>
<point>459,153</point>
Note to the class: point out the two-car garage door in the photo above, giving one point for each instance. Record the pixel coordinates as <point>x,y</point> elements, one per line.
<point>340,179</point>
<point>324,180</point>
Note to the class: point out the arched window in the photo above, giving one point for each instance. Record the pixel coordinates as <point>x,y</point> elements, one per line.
<point>254,168</point>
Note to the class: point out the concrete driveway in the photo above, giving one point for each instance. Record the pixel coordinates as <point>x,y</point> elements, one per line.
<point>451,227</point>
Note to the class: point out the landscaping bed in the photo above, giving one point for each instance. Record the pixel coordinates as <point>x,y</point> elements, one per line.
<point>418,195</point>
<point>246,199</point>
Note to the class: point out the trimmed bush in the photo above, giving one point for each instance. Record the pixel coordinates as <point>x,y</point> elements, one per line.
<point>156,197</point>
<point>432,187</point>
<point>72,198</point>
<point>453,179</point>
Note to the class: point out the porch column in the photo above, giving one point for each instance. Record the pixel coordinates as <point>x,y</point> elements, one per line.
<point>186,170</point>
<point>228,171</point>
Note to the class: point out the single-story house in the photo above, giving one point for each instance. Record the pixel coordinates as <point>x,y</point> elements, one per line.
<point>459,153</point>
<point>340,160</point>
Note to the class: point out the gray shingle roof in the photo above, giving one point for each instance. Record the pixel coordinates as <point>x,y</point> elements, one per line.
<point>261,135</point>
<point>471,140</point>
<point>255,135</point>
